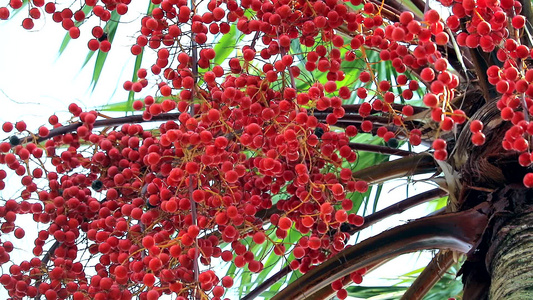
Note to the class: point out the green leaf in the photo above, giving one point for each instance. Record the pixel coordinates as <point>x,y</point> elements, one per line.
<point>437,204</point>
<point>376,292</point>
<point>376,198</point>
<point>365,160</point>
<point>296,48</point>
<point>448,286</point>
<point>131,94</point>
<point>137,66</point>
<point>226,45</point>
<point>111,29</point>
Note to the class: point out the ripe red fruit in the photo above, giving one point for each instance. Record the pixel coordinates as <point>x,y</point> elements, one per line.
<point>361,186</point>
<point>408,110</point>
<point>4,13</point>
<point>342,294</point>
<point>231,176</point>
<point>19,233</point>
<point>105,46</point>
<point>502,86</point>
<point>121,271</point>
<point>442,38</point>
<point>476,126</point>
<point>93,44</point>
<point>43,131</point>
<point>439,144</point>
<point>148,242</point>
<point>284,223</point>
<point>356,277</point>
<point>440,154</point>
<point>431,16</point>
<point>427,74</point>
<point>337,189</point>
<point>74,32</point>
<point>314,243</point>
<point>528,180</point>
<point>430,100</point>
<point>308,221</point>
<point>259,237</point>
<point>447,124</point>
<point>152,295</point>
<point>227,281</point>
<point>521,144</point>
<point>406,17</point>
<point>478,138</point>
<point>330,87</point>
<point>341,216</point>
<point>367,126</point>
<point>384,85</point>
<point>7,127</point>
<point>459,116</point>
<point>364,76</point>
<point>507,113</point>
<point>483,28</point>
<point>149,279</point>
<point>518,21</point>
<point>27,23</point>
<point>198,195</point>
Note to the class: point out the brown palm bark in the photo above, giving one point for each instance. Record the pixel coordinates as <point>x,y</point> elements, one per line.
<point>511,267</point>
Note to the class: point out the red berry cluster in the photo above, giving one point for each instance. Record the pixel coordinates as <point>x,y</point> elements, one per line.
<point>249,150</point>
<point>70,19</point>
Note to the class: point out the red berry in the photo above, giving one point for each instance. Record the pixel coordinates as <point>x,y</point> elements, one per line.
<point>43,131</point>
<point>427,74</point>
<point>528,180</point>
<point>27,23</point>
<point>476,126</point>
<point>93,44</point>
<point>431,16</point>
<point>518,21</point>
<point>74,32</point>
<point>105,46</point>
<point>7,127</point>
<point>4,13</point>
<point>440,154</point>
<point>431,100</point>
<point>284,223</point>
<point>231,176</point>
<point>439,144</point>
<point>478,138</point>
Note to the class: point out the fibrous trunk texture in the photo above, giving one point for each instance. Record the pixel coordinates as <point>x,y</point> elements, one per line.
<point>512,264</point>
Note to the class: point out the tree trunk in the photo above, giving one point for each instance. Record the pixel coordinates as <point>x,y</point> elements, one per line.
<point>502,266</point>
<point>511,267</point>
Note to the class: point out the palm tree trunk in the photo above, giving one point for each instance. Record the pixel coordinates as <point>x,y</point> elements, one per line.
<point>512,264</point>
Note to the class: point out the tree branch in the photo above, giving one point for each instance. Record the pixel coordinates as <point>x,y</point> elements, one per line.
<point>406,166</point>
<point>101,123</point>
<point>267,283</point>
<point>456,231</point>
<point>398,208</point>
<point>379,149</point>
<point>196,268</point>
<point>44,262</point>
<point>369,220</point>
<point>434,271</point>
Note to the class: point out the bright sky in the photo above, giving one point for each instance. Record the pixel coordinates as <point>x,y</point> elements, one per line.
<point>34,84</point>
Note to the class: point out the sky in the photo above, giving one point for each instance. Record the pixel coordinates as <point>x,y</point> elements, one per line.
<point>35,83</point>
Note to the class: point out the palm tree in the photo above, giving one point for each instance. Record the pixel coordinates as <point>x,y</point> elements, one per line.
<point>482,169</point>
